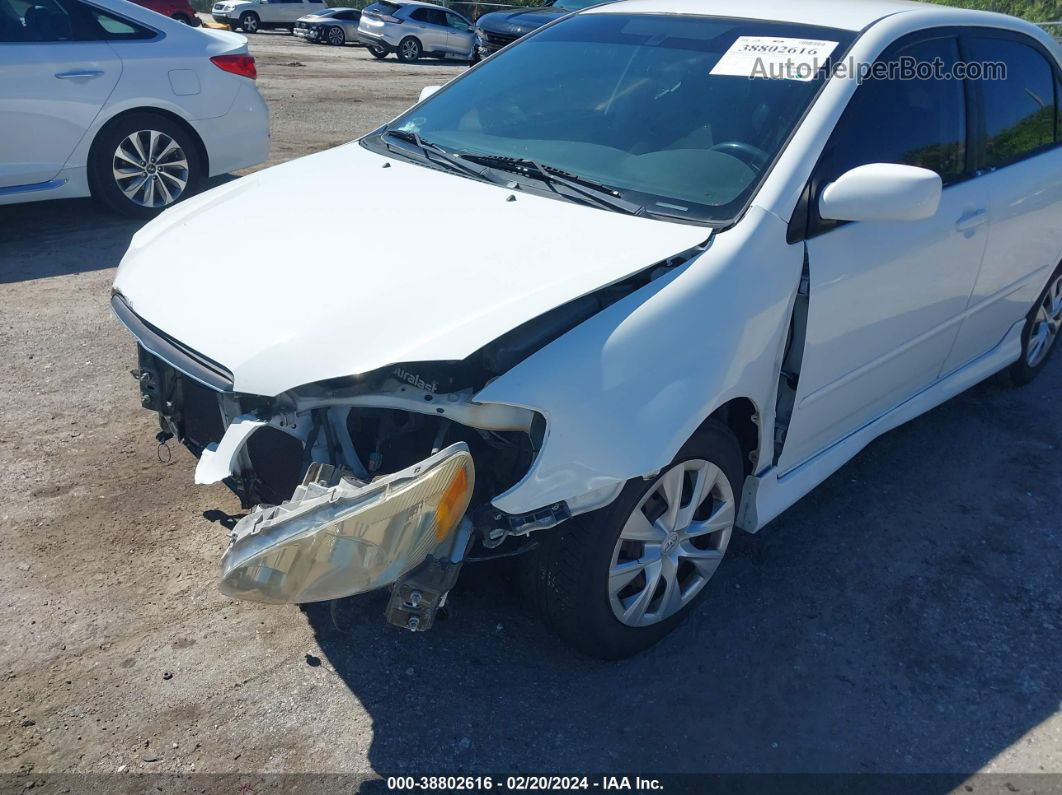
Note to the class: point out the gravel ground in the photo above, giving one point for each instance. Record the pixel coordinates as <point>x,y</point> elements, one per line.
<point>905,617</point>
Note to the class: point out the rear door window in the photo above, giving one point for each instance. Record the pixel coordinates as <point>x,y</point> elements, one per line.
<point>64,20</point>
<point>1020,111</point>
<point>382,9</point>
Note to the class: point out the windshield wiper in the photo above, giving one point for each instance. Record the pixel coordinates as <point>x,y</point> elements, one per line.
<point>434,153</point>
<point>587,189</point>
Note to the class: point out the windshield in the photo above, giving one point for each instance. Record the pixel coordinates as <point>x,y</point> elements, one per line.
<point>630,101</point>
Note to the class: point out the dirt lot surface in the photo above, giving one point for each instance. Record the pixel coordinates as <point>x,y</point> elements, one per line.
<point>905,617</point>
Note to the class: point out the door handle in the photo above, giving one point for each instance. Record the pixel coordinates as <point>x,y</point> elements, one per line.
<point>80,74</point>
<point>971,220</point>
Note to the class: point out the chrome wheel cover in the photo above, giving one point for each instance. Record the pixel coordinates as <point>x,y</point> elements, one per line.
<point>150,168</point>
<point>671,544</point>
<point>1046,324</point>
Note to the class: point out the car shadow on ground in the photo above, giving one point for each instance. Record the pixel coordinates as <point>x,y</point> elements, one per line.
<point>902,618</point>
<point>56,238</point>
<point>42,239</point>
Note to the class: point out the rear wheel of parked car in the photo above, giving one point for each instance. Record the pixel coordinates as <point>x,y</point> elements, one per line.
<point>336,36</point>
<point>409,50</point>
<point>616,581</point>
<point>1042,327</point>
<point>249,22</point>
<point>183,19</point>
<point>143,163</point>
<point>378,52</point>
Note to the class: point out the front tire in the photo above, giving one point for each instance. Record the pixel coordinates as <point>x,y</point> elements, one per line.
<point>336,37</point>
<point>143,163</point>
<point>409,50</point>
<point>1042,327</point>
<point>184,20</point>
<point>379,53</point>
<point>614,582</point>
<point>249,22</point>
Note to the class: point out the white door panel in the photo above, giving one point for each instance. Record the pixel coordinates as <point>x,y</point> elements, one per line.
<point>50,94</point>
<point>1024,243</point>
<point>886,300</point>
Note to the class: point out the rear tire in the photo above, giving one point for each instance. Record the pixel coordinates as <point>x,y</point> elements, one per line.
<point>184,20</point>
<point>409,50</point>
<point>1039,338</point>
<point>576,578</point>
<point>143,163</point>
<point>249,22</point>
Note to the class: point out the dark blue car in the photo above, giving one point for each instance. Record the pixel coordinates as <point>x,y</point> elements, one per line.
<point>499,28</point>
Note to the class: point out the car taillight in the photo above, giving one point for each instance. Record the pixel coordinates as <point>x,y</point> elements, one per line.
<point>242,65</point>
<point>395,20</point>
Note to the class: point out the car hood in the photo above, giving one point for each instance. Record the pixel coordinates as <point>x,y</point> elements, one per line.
<point>519,22</point>
<point>423,266</point>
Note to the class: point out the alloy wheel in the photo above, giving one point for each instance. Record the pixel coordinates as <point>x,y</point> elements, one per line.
<point>672,543</point>
<point>150,168</point>
<point>410,49</point>
<point>335,36</point>
<point>1045,325</point>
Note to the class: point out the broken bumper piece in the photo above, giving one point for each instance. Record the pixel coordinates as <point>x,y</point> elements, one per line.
<point>338,536</point>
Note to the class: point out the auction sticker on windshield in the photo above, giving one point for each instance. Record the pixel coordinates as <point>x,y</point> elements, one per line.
<point>777,58</point>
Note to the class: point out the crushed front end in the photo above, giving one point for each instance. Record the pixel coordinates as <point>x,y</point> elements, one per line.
<point>373,481</point>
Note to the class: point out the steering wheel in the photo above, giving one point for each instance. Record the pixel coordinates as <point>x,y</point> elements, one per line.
<point>752,156</point>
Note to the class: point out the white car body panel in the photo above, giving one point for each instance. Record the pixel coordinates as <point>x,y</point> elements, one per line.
<point>227,112</point>
<point>713,330</point>
<point>624,390</point>
<point>44,116</point>
<point>1023,202</point>
<point>872,341</point>
<point>437,297</point>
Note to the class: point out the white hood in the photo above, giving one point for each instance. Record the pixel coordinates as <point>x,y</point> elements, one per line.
<point>333,265</point>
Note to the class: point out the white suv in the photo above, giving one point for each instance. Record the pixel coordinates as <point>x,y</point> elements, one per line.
<point>254,15</point>
<point>412,30</point>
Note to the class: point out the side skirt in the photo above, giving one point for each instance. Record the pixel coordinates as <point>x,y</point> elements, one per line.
<point>768,494</point>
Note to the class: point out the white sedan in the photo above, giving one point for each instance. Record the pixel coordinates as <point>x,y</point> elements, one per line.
<point>604,317</point>
<point>109,99</point>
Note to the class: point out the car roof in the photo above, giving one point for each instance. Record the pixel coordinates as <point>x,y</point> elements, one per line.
<point>852,15</point>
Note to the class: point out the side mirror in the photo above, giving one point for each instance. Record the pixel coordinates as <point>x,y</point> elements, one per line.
<point>427,91</point>
<point>882,192</point>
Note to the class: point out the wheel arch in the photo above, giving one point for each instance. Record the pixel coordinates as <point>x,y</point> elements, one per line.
<point>742,417</point>
<point>201,150</point>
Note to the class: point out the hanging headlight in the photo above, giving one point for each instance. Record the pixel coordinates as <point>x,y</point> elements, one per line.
<point>328,542</point>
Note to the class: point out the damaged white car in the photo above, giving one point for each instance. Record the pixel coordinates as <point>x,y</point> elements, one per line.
<point>603,317</point>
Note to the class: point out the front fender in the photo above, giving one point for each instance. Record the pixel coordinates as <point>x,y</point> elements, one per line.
<point>624,390</point>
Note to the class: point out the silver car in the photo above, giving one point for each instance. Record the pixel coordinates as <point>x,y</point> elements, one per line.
<point>332,26</point>
<point>413,30</point>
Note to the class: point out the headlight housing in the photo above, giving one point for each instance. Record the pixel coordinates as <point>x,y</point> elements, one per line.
<point>328,542</point>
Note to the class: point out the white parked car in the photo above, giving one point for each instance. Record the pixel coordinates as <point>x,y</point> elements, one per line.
<point>108,98</point>
<point>692,294</point>
<point>254,15</point>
